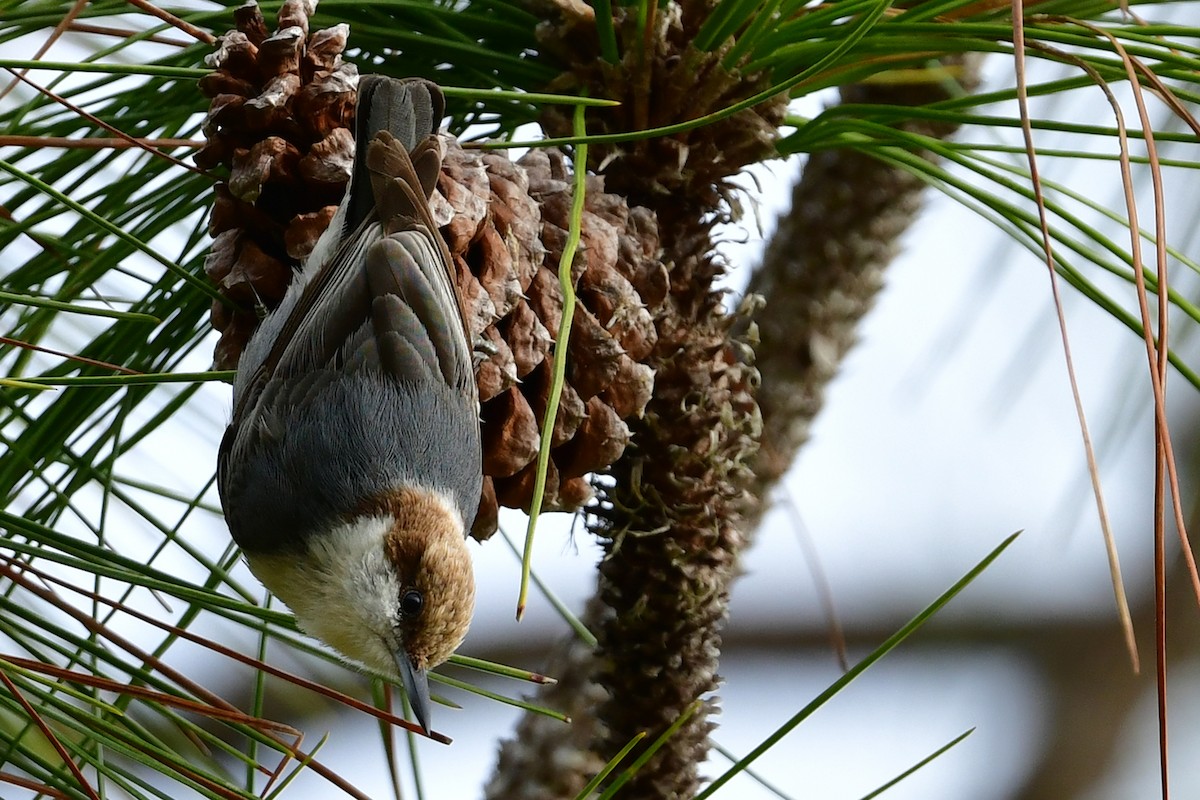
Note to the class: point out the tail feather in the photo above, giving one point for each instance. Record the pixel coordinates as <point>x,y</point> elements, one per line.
<point>411,110</point>
<point>397,192</point>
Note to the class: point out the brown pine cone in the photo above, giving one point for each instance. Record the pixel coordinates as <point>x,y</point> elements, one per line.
<point>508,226</point>
<point>278,121</point>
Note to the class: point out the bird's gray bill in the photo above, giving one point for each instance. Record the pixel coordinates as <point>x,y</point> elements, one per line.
<point>416,687</point>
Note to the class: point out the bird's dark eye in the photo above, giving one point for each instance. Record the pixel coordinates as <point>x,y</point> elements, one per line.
<point>411,603</point>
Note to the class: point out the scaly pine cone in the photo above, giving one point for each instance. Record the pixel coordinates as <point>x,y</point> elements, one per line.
<point>278,116</point>
<point>281,119</point>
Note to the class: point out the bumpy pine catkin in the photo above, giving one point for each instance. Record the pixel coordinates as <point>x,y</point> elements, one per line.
<point>281,121</point>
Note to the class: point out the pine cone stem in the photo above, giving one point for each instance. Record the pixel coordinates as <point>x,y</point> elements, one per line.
<point>672,531</point>
<point>671,528</point>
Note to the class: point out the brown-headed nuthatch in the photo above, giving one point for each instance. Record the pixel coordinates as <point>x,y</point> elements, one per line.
<point>352,468</point>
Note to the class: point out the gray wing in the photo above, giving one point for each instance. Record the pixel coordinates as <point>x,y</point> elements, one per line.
<point>364,370</point>
<point>385,305</point>
<point>374,390</point>
<point>312,463</point>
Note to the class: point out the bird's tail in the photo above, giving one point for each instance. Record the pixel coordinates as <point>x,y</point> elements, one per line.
<point>409,109</point>
<point>401,162</point>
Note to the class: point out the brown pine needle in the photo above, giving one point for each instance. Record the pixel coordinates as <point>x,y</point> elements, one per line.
<point>92,118</point>
<point>820,581</point>
<point>124,33</point>
<point>42,726</point>
<point>174,701</point>
<point>54,36</point>
<point>1122,601</point>
<point>69,356</point>
<point>168,672</point>
<point>183,633</point>
<point>1157,348</point>
<point>199,34</point>
<point>1157,356</point>
<point>96,143</point>
<point>26,783</point>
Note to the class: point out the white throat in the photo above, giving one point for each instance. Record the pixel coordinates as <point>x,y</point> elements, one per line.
<point>343,590</point>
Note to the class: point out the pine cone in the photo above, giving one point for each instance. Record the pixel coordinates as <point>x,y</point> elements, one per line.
<point>281,119</point>
<point>278,120</point>
<point>509,226</point>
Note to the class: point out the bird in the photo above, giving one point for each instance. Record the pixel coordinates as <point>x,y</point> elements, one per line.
<point>351,469</point>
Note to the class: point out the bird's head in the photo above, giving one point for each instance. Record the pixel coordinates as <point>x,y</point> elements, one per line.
<point>391,587</point>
